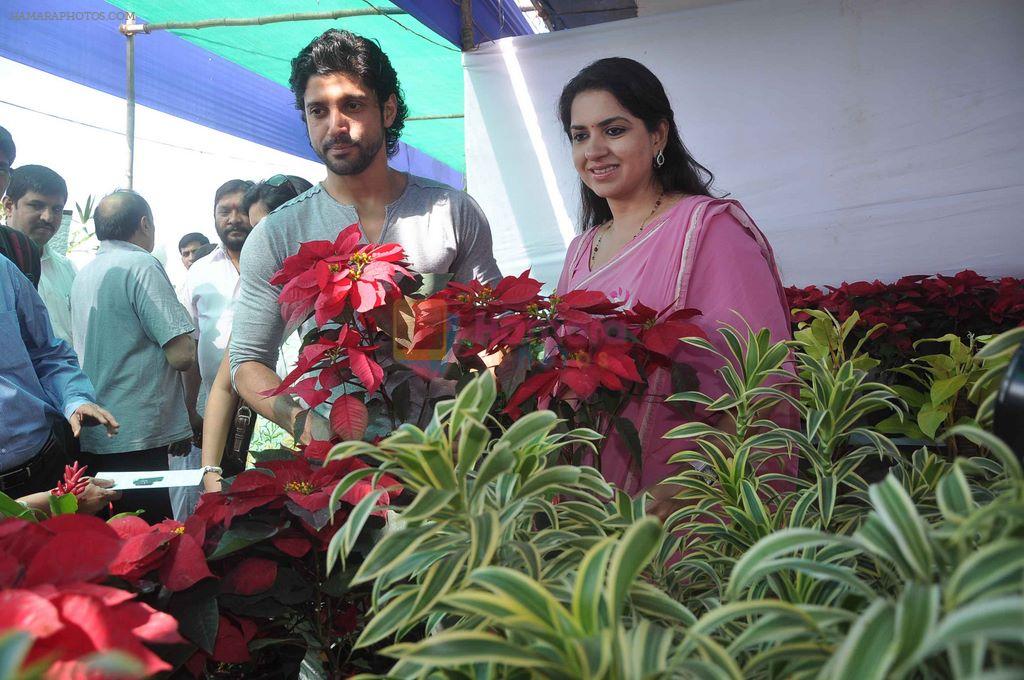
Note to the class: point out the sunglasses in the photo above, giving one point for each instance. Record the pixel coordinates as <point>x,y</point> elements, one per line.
<point>281,180</point>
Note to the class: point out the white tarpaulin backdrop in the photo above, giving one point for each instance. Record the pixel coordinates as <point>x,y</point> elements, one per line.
<point>868,138</point>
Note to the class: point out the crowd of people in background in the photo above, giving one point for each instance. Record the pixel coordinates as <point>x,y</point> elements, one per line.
<point>171,379</point>
<point>151,354</point>
<point>116,333</point>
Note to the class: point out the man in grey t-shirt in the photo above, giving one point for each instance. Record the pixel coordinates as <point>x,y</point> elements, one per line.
<point>133,338</point>
<point>350,100</point>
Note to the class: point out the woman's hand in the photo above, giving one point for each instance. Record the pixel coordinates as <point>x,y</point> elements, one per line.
<point>96,496</point>
<point>212,482</point>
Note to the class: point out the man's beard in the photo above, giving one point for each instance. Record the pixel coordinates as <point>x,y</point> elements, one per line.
<point>366,151</point>
<point>233,240</point>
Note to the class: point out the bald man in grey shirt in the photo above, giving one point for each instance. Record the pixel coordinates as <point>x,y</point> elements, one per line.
<point>352,104</point>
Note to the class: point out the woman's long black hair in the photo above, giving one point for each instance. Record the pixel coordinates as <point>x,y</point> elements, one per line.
<point>643,95</point>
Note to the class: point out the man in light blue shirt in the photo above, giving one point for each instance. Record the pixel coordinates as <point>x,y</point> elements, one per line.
<point>134,339</point>
<point>45,399</point>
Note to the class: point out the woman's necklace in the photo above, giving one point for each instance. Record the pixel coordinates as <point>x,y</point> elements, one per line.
<point>600,234</point>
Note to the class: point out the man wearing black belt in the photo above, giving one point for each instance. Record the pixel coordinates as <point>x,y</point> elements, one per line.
<point>45,399</point>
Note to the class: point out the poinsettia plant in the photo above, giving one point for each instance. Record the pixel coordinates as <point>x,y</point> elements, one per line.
<point>240,587</point>
<point>916,307</point>
<point>246,574</point>
<point>579,354</point>
<point>58,599</point>
<point>347,288</point>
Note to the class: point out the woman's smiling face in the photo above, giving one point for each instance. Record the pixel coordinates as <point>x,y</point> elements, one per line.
<point>612,149</point>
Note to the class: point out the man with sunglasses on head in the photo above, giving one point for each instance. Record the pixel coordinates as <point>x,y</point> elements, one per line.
<point>209,289</point>
<point>352,105</point>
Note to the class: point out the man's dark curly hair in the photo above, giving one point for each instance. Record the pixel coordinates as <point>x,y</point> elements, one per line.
<point>343,52</point>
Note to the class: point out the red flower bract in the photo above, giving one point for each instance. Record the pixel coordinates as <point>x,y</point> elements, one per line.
<point>329,277</point>
<point>580,368</point>
<point>310,486</point>
<point>81,619</point>
<point>50,591</point>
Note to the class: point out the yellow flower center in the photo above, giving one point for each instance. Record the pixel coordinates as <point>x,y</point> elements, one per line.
<point>179,531</point>
<point>356,264</point>
<point>334,268</point>
<point>305,488</point>
<point>580,356</point>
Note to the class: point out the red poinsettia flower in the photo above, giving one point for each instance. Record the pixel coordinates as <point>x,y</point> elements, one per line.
<point>339,355</point>
<point>251,489</point>
<point>363,279</point>
<point>234,633</point>
<point>78,620</point>
<point>512,293</point>
<point>310,486</point>
<point>32,554</point>
<point>57,599</point>
<point>292,542</point>
<point>174,548</point>
<point>659,332</point>
<point>1009,303</point>
<point>580,306</point>
<point>578,371</point>
<point>328,277</point>
<point>250,576</point>
<point>317,449</point>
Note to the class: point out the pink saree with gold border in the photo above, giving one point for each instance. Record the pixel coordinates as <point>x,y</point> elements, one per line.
<point>706,254</point>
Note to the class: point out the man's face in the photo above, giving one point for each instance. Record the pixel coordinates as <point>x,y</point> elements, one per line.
<point>344,122</point>
<point>231,221</point>
<point>5,172</point>
<point>36,215</point>
<point>188,253</point>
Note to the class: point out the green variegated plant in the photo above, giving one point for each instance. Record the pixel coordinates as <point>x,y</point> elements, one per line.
<point>477,498</point>
<point>503,564</point>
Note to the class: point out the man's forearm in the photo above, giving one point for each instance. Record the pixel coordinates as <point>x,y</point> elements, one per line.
<point>191,381</point>
<point>253,378</point>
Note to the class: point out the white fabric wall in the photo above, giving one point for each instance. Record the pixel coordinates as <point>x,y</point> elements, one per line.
<point>868,138</point>
<point>79,132</point>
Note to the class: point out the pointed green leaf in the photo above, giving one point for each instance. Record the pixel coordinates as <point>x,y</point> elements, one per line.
<point>388,620</point>
<point>588,594</point>
<point>869,648</point>
<point>944,389</point>
<point>632,553</point>
<point>897,512</point>
<point>457,648</point>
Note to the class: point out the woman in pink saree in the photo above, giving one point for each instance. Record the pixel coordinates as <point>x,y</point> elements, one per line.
<point>653,234</point>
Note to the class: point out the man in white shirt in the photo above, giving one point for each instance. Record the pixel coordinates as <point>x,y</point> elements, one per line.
<point>209,290</point>
<point>35,204</point>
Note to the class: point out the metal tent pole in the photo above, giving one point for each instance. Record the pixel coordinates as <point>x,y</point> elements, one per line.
<point>259,21</point>
<point>130,99</point>
<point>130,29</point>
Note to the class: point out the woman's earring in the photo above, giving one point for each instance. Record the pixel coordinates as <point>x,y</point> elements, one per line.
<point>659,160</point>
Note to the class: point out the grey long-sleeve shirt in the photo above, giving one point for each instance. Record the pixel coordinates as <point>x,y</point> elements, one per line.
<point>441,229</point>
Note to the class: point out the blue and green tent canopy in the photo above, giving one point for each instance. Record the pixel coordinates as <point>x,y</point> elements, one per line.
<point>235,79</point>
